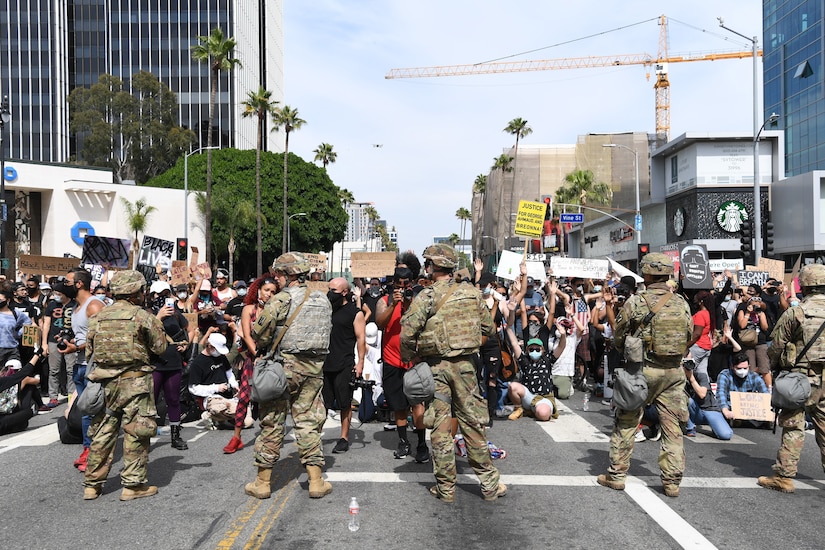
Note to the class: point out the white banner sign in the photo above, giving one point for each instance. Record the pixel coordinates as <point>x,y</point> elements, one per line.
<point>587,268</point>
<point>508,267</point>
<point>719,266</point>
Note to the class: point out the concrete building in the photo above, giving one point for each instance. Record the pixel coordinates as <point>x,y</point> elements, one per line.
<point>53,47</point>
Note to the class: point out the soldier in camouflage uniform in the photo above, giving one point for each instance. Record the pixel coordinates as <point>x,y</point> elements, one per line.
<point>664,375</point>
<point>792,332</point>
<point>445,334</point>
<point>305,380</point>
<point>121,339</point>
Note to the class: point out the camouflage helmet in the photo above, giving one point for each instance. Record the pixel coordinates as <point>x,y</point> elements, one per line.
<point>442,255</point>
<point>657,263</point>
<point>127,282</point>
<point>291,263</point>
<point>812,275</point>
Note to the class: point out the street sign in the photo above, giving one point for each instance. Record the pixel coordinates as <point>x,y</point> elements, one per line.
<point>638,222</point>
<point>572,218</point>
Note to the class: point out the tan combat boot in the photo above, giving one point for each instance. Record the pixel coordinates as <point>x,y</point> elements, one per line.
<point>260,488</point>
<point>671,489</point>
<point>138,491</point>
<point>605,481</point>
<point>91,493</point>
<point>318,487</point>
<point>777,483</point>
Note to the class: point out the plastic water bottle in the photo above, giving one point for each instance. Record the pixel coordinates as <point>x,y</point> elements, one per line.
<point>586,401</point>
<point>354,509</point>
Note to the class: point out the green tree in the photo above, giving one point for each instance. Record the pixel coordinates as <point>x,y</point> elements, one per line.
<point>325,154</point>
<point>312,192</point>
<point>260,105</point>
<point>480,189</point>
<point>386,242</point>
<point>216,51</point>
<point>287,118</point>
<point>580,189</point>
<point>463,215</point>
<point>503,163</point>
<point>516,127</point>
<point>137,217</point>
<point>231,213</point>
<point>372,215</point>
<point>453,239</point>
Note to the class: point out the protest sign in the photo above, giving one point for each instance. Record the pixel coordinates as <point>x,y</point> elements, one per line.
<point>46,265</point>
<point>693,264</point>
<point>155,253</point>
<point>586,268</point>
<point>732,264</point>
<point>181,275</point>
<point>106,251</point>
<point>746,278</point>
<point>530,218</point>
<point>202,271</point>
<point>508,265</point>
<point>372,264</point>
<point>775,268</point>
<point>323,286</point>
<point>751,406</point>
<point>317,262</point>
<point>31,336</point>
<point>97,271</point>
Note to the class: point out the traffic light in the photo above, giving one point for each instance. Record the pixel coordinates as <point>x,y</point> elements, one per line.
<point>642,250</point>
<point>767,239</point>
<point>548,204</point>
<point>183,248</point>
<point>745,246</point>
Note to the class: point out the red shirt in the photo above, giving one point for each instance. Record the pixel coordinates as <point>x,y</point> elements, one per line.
<point>702,319</point>
<point>391,339</point>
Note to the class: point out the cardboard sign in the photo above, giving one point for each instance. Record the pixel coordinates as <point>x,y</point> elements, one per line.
<point>180,275</point>
<point>317,262</point>
<point>464,274</point>
<point>31,336</point>
<point>694,267</point>
<point>192,319</point>
<point>752,278</point>
<point>751,406</point>
<point>586,268</point>
<point>323,286</point>
<point>202,271</point>
<point>46,265</point>
<point>372,264</point>
<point>530,218</point>
<point>106,251</point>
<point>775,268</point>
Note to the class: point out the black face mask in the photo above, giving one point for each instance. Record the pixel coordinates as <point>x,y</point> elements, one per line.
<point>31,291</point>
<point>336,299</point>
<point>4,303</point>
<point>69,290</point>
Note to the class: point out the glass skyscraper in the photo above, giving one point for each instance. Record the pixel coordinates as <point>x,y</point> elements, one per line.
<point>793,53</point>
<point>49,47</point>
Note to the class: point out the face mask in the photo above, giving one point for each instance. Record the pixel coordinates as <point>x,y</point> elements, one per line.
<point>580,289</point>
<point>529,293</point>
<point>375,292</point>
<point>57,297</point>
<point>205,296</point>
<point>535,355</point>
<point>794,303</point>
<point>337,300</point>
<point>741,373</point>
<point>241,292</point>
<point>159,302</point>
<point>533,328</point>
<point>4,303</point>
<point>101,297</point>
<point>70,291</point>
<point>727,298</point>
<point>214,353</point>
<point>183,295</point>
<point>487,291</point>
<point>597,288</point>
<point>32,292</point>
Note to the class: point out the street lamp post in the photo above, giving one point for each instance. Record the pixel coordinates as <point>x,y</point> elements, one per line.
<point>757,198</point>
<point>289,235</point>
<point>5,118</point>
<point>637,227</point>
<point>186,194</point>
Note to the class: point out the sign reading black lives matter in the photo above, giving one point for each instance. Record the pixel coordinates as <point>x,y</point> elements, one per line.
<point>694,267</point>
<point>153,252</point>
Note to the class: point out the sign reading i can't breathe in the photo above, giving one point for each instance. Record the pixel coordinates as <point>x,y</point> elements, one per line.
<point>530,218</point>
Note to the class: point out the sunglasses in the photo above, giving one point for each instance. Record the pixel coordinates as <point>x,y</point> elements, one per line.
<point>530,350</point>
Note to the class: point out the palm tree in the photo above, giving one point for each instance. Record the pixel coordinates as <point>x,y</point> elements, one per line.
<point>463,215</point>
<point>453,240</point>
<point>288,118</point>
<point>346,197</point>
<point>215,50</point>
<point>233,214</point>
<point>502,162</point>
<point>258,104</point>
<point>479,188</point>
<point>325,154</point>
<point>372,214</point>
<point>581,189</point>
<point>137,216</point>
<point>517,127</point>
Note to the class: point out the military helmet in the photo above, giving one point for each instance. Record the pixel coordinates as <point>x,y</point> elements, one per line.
<point>127,282</point>
<point>291,263</point>
<point>657,263</point>
<point>442,255</point>
<point>812,275</point>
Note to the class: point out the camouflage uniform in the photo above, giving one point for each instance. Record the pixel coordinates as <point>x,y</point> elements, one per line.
<point>128,391</point>
<point>455,377</point>
<point>788,341</point>
<point>666,383</point>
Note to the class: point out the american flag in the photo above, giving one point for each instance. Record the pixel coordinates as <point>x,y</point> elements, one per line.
<point>582,313</point>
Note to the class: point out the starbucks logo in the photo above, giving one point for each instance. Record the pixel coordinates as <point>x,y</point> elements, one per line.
<point>730,216</point>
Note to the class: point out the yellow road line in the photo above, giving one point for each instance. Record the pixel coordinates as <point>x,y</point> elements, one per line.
<point>266,523</point>
<point>239,523</point>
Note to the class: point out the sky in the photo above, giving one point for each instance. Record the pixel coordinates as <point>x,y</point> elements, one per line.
<point>413,147</point>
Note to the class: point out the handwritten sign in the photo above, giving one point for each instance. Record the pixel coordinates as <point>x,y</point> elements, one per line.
<point>31,336</point>
<point>372,264</point>
<point>202,271</point>
<point>46,265</point>
<point>751,406</point>
<point>752,278</point>
<point>317,262</point>
<point>586,268</point>
<point>180,275</point>
<point>530,218</point>
<point>775,268</point>
<point>106,251</point>
<point>323,286</point>
<point>154,252</point>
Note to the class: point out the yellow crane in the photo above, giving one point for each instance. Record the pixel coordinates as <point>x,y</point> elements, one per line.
<point>658,63</point>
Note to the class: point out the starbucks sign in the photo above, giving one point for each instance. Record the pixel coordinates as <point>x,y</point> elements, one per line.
<point>730,216</point>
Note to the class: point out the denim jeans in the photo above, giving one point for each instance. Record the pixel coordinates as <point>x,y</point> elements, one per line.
<point>715,419</point>
<point>700,357</point>
<point>79,379</point>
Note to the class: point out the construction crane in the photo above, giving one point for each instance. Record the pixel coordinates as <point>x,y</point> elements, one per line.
<point>658,63</point>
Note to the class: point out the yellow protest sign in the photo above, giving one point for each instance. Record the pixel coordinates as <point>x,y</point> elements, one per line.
<point>530,218</point>
<point>751,406</point>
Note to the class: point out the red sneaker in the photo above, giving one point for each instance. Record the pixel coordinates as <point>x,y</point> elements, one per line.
<point>80,462</point>
<point>235,444</point>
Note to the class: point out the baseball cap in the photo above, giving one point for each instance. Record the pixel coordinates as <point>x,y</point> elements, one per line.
<point>372,334</point>
<point>14,364</point>
<point>218,341</point>
<point>159,286</point>
<point>221,274</point>
<point>535,342</point>
<point>240,284</point>
<point>45,286</point>
<point>206,285</point>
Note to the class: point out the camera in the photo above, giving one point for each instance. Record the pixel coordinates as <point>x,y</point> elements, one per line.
<point>63,338</point>
<point>358,382</point>
<point>408,294</point>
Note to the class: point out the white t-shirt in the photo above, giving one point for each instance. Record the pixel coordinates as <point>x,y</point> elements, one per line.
<point>565,365</point>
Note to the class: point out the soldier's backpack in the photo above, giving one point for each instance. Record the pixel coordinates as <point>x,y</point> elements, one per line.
<point>455,324</point>
<point>309,331</point>
<point>668,332</point>
<point>811,331</point>
<point>115,342</point>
